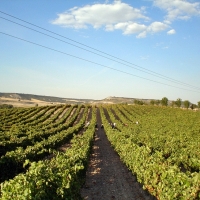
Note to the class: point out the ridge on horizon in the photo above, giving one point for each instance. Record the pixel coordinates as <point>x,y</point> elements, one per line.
<point>28,100</point>
<point>26,96</point>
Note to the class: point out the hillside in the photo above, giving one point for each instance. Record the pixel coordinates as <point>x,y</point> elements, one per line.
<point>19,99</point>
<point>27,100</point>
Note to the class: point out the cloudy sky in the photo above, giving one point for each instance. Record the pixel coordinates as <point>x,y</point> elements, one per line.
<point>94,49</point>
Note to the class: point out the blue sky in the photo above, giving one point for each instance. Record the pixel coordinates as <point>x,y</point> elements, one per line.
<point>156,40</point>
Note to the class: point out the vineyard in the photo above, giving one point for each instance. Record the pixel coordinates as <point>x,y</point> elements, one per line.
<point>45,150</point>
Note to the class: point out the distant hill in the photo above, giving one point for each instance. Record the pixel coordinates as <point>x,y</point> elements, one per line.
<point>30,100</point>
<point>128,100</point>
<point>19,99</point>
<point>31,96</point>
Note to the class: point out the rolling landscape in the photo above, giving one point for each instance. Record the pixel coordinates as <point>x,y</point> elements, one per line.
<point>100,100</point>
<point>29,100</point>
<point>80,151</point>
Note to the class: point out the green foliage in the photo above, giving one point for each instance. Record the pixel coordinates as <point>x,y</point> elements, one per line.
<point>172,103</point>
<point>195,106</point>
<point>162,150</point>
<point>178,102</point>
<point>58,178</point>
<point>198,103</point>
<point>6,106</point>
<point>157,102</point>
<point>186,104</point>
<point>152,102</point>
<point>164,101</point>
<point>37,150</point>
<point>138,102</point>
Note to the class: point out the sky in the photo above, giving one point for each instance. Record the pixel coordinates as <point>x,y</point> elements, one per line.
<point>147,49</point>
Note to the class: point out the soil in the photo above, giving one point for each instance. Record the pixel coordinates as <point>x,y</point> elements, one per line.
<point>26,103</point>
<point>107,177</point>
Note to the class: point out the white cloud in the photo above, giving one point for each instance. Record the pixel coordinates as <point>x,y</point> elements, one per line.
<point>154,27</point>
<point>109,27</point>
<point>130,27</point>
<point>99,15</point>
<point>171,32</point>
<point>114,16</point>
<point>178,9</point>
<point>142,34</point>
<point>157,27</point>
<point>121,16</point>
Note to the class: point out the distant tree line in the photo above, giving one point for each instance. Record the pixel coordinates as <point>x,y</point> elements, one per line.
<point>186,104</point>
<point>165,102</point>
<point>139,102</point>
<point>155,102</point>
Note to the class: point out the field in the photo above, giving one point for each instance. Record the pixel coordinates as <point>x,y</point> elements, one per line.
<point>45,151</point>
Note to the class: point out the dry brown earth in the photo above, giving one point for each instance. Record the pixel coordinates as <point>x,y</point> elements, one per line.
<point>107,177</point>
<point>25,103</point>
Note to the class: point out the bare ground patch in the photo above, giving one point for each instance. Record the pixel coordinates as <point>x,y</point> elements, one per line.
<point>107,177</point>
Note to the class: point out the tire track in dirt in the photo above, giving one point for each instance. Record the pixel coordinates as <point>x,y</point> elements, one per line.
<point>107,177</point>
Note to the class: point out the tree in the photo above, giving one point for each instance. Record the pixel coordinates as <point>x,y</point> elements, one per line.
<point>157,102</point>
<point>178,102</point>
<point>164,101</point>
<point>198,104</point>
<point>172,103</point>
<point>138,102</point>
<point>186,104</point>
<point>193,106</point>
<point>152,102</point>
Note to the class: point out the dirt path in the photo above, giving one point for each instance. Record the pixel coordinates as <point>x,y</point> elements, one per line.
<point>107,177</point>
